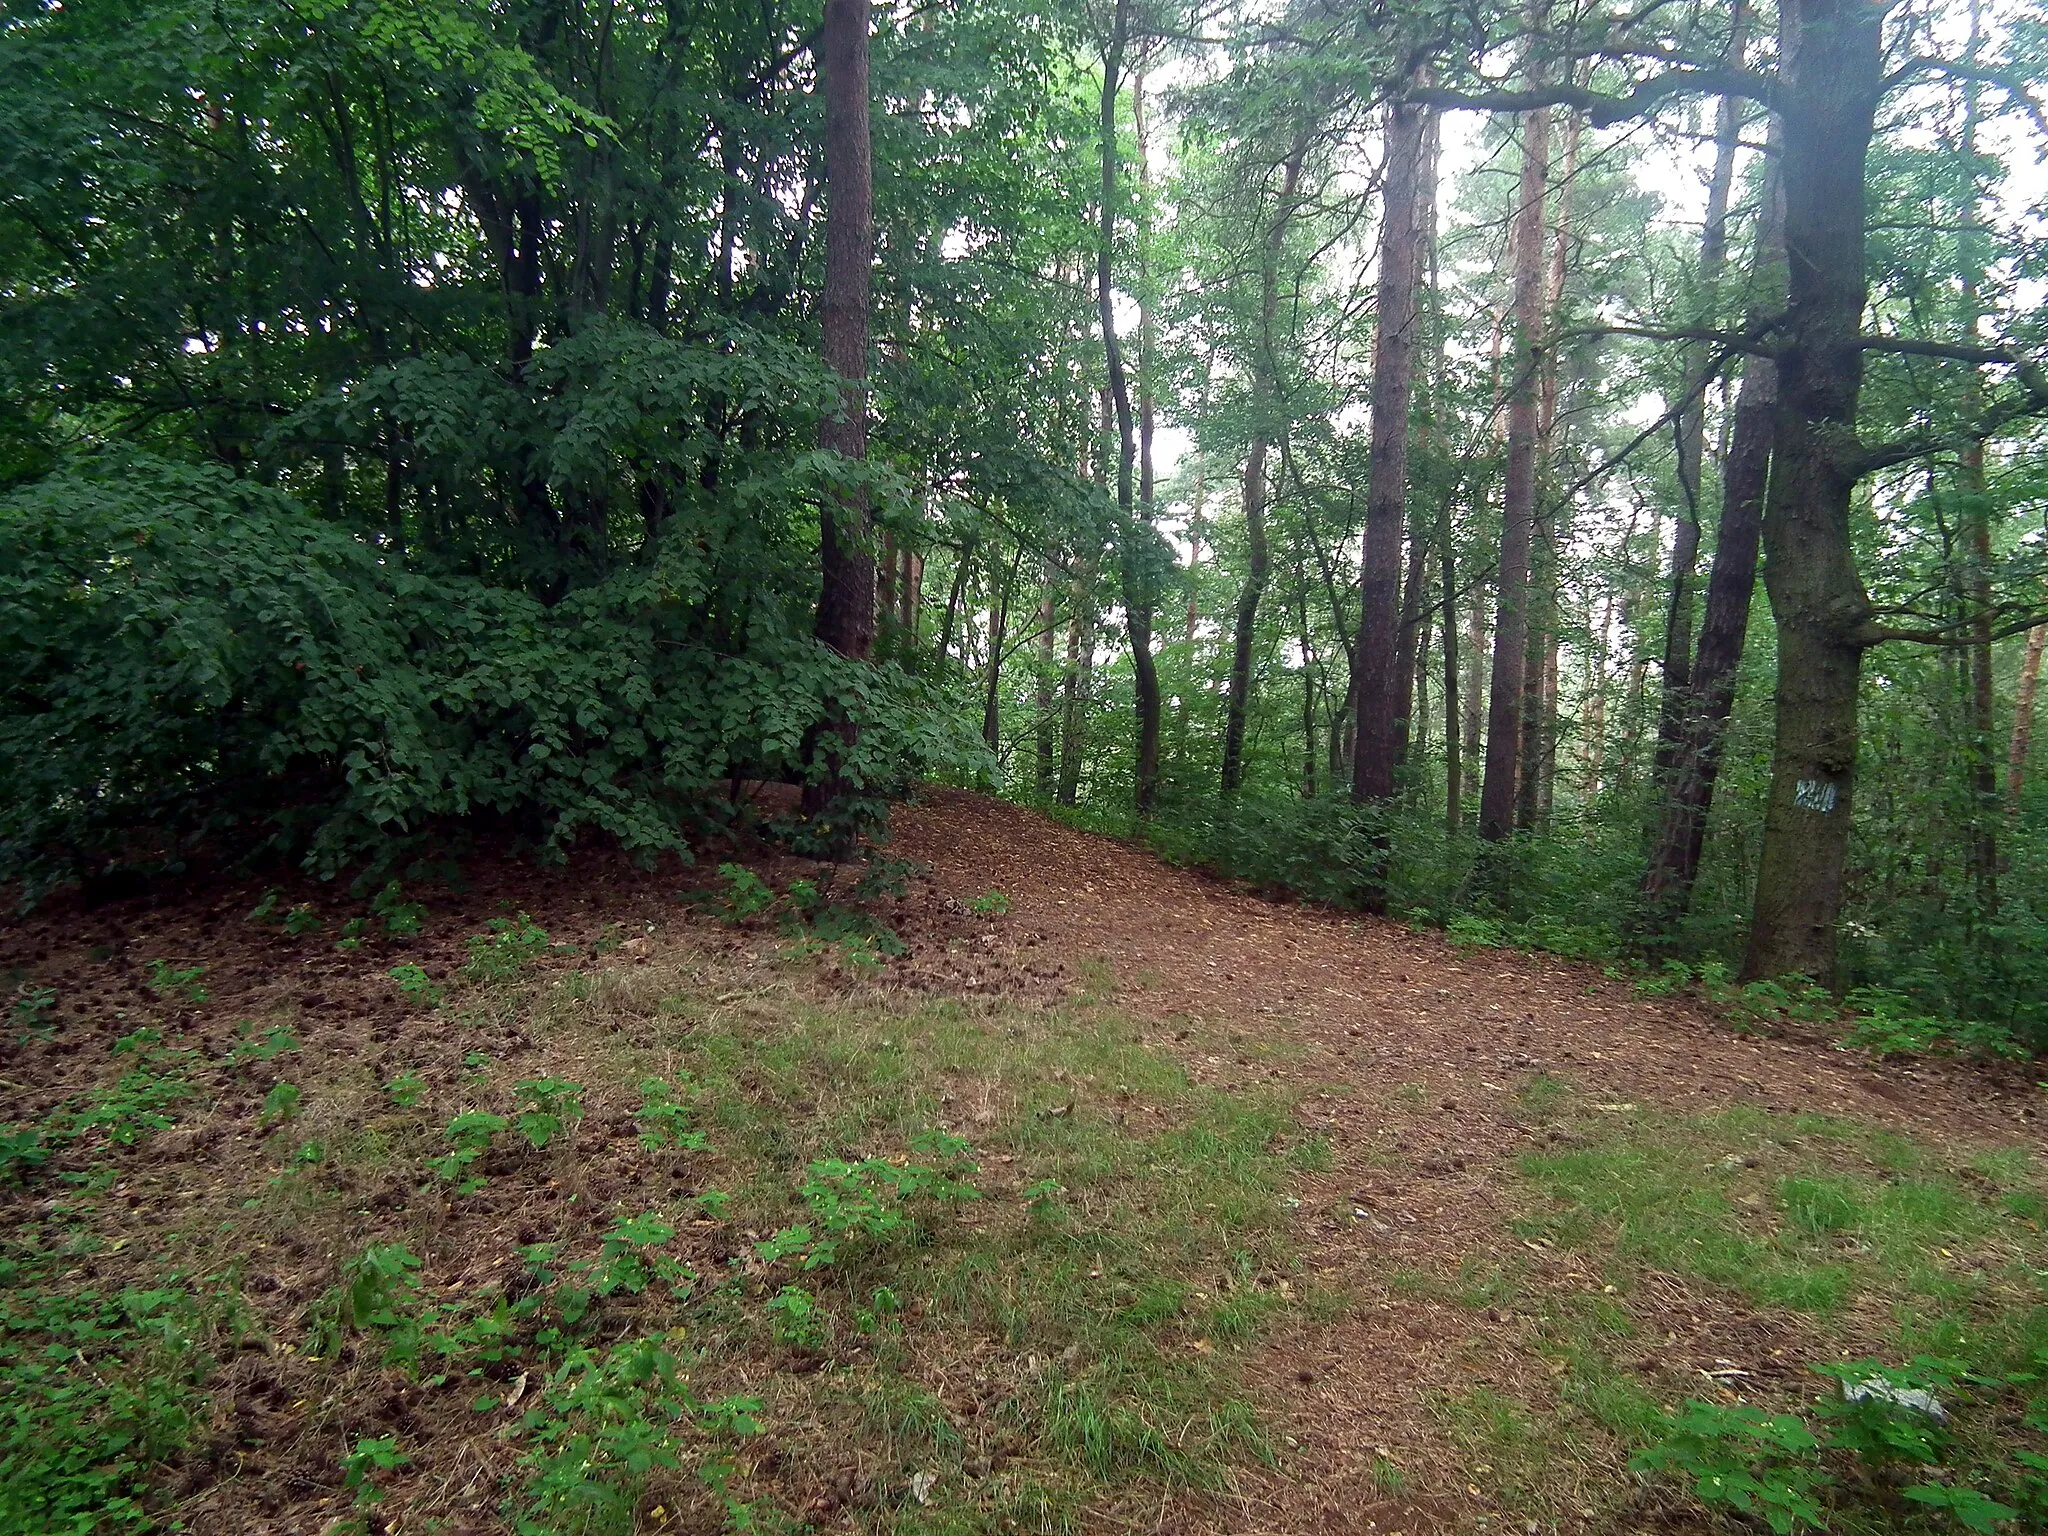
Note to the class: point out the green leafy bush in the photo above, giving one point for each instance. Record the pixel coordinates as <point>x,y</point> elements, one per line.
<point>509,945</point>
<point>198,657</point>
<point>94,1389</point>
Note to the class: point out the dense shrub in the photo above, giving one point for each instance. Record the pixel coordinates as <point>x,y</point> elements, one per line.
<point>192,656</point>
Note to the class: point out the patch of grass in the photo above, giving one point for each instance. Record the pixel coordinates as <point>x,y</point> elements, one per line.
<point>1889,1248</point>
<point>1006,1260</point>
<point>1119,1268</point>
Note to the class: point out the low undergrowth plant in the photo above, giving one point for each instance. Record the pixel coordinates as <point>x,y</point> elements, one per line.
<point>1842,1222</point>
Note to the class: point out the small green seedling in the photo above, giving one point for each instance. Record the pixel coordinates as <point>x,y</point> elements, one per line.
<point>797,1318</point>
<point>268,1046</point>
<point>416,986</point>
<point>402,918</point>
<point>471,1133</point>
<point>406,1090</point>
<point>30,1004</point>
<point>301,920</point>
<point>281,1103</point>
<point>365,1457</point>
<point>352,933</point>
<point>746,894</point>
<point>663,1122</point>
<point>508,947</point>
<point>165,979</point>
<point>989,904</point>
<point>553,1105</point>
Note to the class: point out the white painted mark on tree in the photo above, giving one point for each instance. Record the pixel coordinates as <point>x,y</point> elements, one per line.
<point>1814,795</point>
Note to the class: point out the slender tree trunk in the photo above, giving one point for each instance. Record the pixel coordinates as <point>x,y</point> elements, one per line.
<point>846,603</point>
<point>1135,551</point>
<point>1817,596</point>
<point>1692,418</point>
<point>1454,764</point>
<point>1243,632</point>
<point>1472,696</point>
<point>1258,567</point>
<point>1308,684</point>
<point>1694,762</point>
<point>998,633</point>
<point>910,593</point>
<point>1077,685</point>
<point>2023,719</point>
<point>1045,726</point>
<point>1414,636</point>
<point>1376,663</point>
<point>961,569</point>
<point>1518,510</point>
<point>1539,672</point>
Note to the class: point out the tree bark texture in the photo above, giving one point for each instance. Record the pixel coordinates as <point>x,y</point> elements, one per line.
<point>846,602</point>
<point>1375,755</point>
<point>1817,596</point>
<point>1518,510</point>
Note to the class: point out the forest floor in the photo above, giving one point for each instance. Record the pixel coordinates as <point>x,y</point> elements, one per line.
<point>1123,1200</point>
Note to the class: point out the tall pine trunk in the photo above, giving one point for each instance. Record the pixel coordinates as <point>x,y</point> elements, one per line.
<point>846,602</point>
<point>1539,671</point>
<point>1376,664</point>
<point>1518,509</point>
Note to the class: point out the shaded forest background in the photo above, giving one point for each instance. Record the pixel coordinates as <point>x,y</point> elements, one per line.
<point>422,415</point>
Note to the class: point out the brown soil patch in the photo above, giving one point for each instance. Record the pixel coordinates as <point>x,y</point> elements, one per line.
<point>1404,1053</point>
<point>1407,1055</point>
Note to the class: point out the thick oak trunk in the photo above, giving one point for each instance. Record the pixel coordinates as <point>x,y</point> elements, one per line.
<point>1816,595</point>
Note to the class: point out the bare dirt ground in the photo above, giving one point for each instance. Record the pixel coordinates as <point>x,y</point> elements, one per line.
<point>1407,1055</point>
